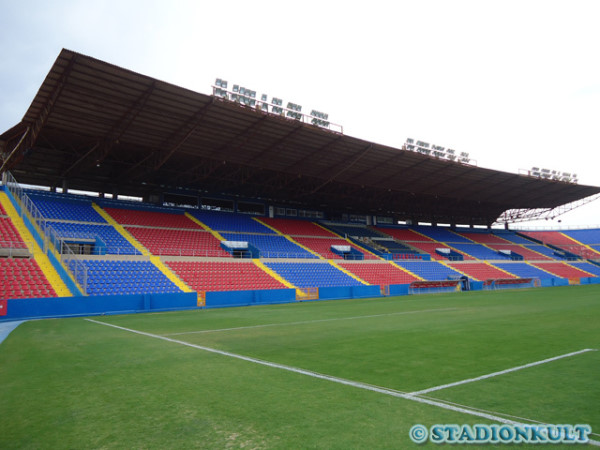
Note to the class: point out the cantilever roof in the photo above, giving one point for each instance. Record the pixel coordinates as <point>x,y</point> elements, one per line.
<point>102,127</point>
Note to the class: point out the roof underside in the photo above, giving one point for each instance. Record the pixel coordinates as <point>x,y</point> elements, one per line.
<point>103,128</point>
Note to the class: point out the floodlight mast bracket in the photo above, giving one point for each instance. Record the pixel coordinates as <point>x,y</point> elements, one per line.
<point>528,215</point>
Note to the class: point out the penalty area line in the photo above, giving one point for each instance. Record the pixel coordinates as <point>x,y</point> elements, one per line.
<point>343,381</point>
<point>501,372</point>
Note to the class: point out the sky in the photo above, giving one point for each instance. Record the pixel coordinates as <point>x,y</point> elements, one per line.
<point>516,84</point>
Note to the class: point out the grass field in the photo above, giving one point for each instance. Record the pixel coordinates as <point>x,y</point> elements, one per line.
<point>75,383</point>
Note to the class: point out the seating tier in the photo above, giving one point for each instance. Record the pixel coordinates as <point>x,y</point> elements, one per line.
<point>562,270</point>
<point>304,275</point>
<point>23,278</point>
<point>294,227</point>
<point>380,273</point>
<point>151,218</point>
<point>178,242</point>
<point>429,270</point>
<point>480,271</point>
<point>107,277</point>
<point>223,275</point>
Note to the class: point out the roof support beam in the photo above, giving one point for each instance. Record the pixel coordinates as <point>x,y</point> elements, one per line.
<point>356,158</point>
<point>192,124</point>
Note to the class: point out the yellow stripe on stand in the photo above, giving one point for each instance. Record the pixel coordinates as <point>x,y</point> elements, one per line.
<point>40,257</point>
<point>350,274</point>
<point>274,274</point>
<point>289,238</point>
<point>122,231</point>
<point>170,274</point>
<point>407,271</point>
<point>205,227</point>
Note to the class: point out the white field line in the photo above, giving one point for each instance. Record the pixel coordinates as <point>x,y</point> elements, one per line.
<point>310,321</point>
<point>343,381</point>
<point>502,372</point>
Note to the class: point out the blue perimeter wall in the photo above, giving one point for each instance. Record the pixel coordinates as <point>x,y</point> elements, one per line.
<point>39,308</point>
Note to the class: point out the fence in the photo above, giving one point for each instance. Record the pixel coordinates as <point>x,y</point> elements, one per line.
<point>50,242</point>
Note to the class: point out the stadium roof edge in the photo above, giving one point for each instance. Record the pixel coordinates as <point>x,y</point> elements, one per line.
<point>98,127</point>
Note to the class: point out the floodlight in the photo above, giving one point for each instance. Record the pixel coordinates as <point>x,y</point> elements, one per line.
<point>263,97</point>
<point>277,109</point>
<point>422,144</point>
<point>410,141</point>
<point>236,88</point>
<point>410,147</point>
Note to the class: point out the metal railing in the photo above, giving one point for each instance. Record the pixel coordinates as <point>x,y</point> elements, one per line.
<point>16,248</point>
<point>50,238</point>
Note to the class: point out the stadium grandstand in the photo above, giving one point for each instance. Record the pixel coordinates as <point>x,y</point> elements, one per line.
<point>121,192</point>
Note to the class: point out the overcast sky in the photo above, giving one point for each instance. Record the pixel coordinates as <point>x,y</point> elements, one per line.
<point>514,83</point>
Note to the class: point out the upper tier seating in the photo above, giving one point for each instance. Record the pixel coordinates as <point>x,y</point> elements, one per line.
<point>404,234</point>
<point>379,273</point>
<point>565,242</point>
<point>395,246</point>
<point>271,246</point>
<point>547,251</point>
<point>524,270</point>
<point>322,246</point>
<point>162,241</point>
<point>442,234</point>
<point>513,237</point>
<point>151,218</point>
<point>9,236</point>
<point>353,230</point>
<point>23,278</point>
<point>429,270</point>
<point>295,227</point>
<point>479,251</point>
<point>317,274</point>
<point>106,277</point>
<point>483,238</point>
<point>59,207</point>
<point>480,271</point>
<point>223,275</point>
<point>225,221</point>
<point>562,270</point>
<point>116,244</point>
<point>430,247</point>
<point>587,237</point>
<point>527,253</point>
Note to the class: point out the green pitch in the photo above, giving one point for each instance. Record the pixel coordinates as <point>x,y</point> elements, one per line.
<point>74,383</point>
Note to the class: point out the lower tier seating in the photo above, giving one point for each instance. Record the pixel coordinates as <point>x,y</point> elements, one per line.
<point>223,276</point>
<point>9,236</point>
<point>524,270</point>
<point>23,278</point>
<point>382,273</point>
<point>480,271</point>
<point>587,267</point>
<point>316,274</point>
<point>429,270</point>
<point>108,277</point>
<point>563,270</point>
